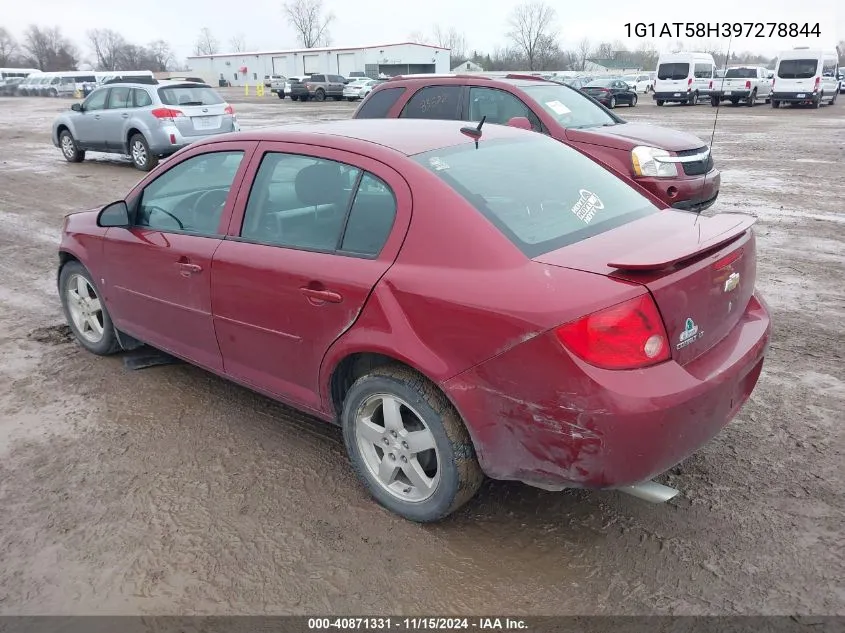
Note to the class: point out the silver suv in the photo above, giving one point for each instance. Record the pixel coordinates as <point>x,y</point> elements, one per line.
<point>144,120</point>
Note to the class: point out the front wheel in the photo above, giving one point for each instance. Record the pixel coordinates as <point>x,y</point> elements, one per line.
<point>775,103</point>
<point>280,94</point>
<point>85,312</point>
<point>70,150</point>
<point>293,98</point>
<point>142,157</point>
<point>408,445</point>
<point>633,100</point>
<point>660,102</point>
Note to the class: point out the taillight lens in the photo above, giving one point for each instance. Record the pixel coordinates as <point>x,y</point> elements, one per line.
<point>748,85</point>
<point>167,114</point>
<point>629,335</point>
<point>689,81</point>
<point>816,85</point>
<point>711,85</point>
<point>228,110</point>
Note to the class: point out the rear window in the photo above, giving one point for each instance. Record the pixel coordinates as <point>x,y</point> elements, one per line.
<point>189,95</point>
<point>569,107</point>
<point>741,73</point>
<point>798,68</point>
<point>673,71</point>
<point>378,103</point>
<point>517,186</point>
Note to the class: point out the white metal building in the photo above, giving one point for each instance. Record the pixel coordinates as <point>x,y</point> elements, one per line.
<point>389,59</point>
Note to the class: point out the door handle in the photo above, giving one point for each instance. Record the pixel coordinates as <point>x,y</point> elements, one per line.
<point>321,296</point>
<point>187,268</point>
<point>96,116</point>
<point>125,115</point>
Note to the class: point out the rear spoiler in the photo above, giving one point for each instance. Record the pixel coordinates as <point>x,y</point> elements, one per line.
<point>714,231</point>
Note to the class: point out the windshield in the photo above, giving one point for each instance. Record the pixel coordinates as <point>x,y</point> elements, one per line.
<point>517,185</point>
<point>600,83</point>
<point>672,71</point>
<point>189,95</point>
<point>569,107</point>
<point>630,78</point>
<point>798,68</point>
<point>741,73</point>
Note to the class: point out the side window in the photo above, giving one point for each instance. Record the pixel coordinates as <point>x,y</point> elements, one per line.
<point>499,107</point>
<point>299,202</point>
<point>434,102</point>
<point>141,98</point>
<point>378,103</point>
<point>370,219</point>
<point>190,197</point>
<point>703,71</point>
<point>829,68</point>
<point>120,98</point>
<point>96,100</point>
<point>317,79</point>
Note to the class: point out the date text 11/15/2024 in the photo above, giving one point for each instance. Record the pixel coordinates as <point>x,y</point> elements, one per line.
<point>680,30</point>
<point>417,624</point>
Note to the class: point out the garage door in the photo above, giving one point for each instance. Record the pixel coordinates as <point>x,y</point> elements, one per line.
<point>345,63</point>
<point>280,65</point>
<point>310,64</point>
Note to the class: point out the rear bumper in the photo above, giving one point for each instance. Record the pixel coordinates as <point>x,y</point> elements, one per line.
<point>792,97</point>
<point>734,94</point>
<point>689,193</point>
<point>672,97</point>
<point>595,428</point>
<point>167,139</point>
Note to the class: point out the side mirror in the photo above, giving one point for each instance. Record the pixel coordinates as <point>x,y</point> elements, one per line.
<point>76,107</point>
<point>115,214</point>
<point>521,122</point>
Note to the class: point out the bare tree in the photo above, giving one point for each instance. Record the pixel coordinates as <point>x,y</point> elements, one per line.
<point>583,52</point>
<point>840,50</point>
<point>452,39</point>
<point>8,48</point>
<point>532,30</point>
<point>646,56</point>
<point>106,45</point>
<point>238,43</point>
<point>206,43</point>
<point>604,51</point>
<point>49,49</point>
<point>161,55</point>
<point>310,23</point>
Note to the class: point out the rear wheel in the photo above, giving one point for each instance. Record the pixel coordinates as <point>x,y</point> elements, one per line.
<point>751,99</point>
<point>612,103</point>
<point>833,99</point>
<point>139,151</point>
<point>633,100</point>
<point>408,445</point>
<point>320,94</point>
<point>350,98</point>
<point>775,103</point>
<point>293,98</point>
<point>70,150</point>
<point>85,312</point>
<point>714,101</point>
<point>280,94</point>
<point>660,102</point>
<point>818,102</point>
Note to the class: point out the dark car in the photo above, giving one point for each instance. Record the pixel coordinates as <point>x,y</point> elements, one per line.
<point>564,331</point>
<point>675,167</point>
<point>611,92</point>
<point>318,87</point>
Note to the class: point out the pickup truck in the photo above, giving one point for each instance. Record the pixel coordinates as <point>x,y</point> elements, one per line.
<point>749,84</point>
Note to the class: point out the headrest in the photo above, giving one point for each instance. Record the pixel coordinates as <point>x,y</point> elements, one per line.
<point>319,184</point>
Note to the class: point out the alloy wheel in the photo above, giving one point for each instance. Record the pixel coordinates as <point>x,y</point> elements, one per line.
<point>85,308</point>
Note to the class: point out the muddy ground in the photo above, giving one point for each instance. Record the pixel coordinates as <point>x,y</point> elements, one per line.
<point>169,490</point>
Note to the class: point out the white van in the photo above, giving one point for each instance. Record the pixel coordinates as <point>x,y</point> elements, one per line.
<point>804,75</point>
<point>683,78</point>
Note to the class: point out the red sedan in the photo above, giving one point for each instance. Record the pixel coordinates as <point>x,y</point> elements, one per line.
<point>462,306</point>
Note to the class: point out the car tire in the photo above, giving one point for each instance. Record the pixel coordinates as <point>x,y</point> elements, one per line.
<point>292,98</point>
<point>817,103</point>
<point>350,98</point>
<point>752,98</point>
<point>450,463</point>
<point>281,95</point>
<point>70,150</point>
<point>833,99</point>
<point>139,151</point>
<point>633,100</point>
<point>659,102</point>
<point>714,101</point>
<point>85,311</point>
<point>775,103</point>
<point>320,95</point>
<point>612,103</point>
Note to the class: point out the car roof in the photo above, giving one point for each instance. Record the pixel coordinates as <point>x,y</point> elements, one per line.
<point>435,79</point>
<point>406,136</point>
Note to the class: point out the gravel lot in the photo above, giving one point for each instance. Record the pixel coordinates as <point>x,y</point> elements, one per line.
<point>169,490</point>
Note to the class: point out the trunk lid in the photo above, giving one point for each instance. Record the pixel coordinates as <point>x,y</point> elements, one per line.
<point>700,271</point>
<point>203,119</point>
<point>626,136</point>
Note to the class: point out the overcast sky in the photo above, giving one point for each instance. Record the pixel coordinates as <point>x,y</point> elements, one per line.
<point>362,22</point>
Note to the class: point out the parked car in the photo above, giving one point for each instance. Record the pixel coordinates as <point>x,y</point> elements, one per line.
<point>806,76</point>
<point>318,87</point>
<point>611,92</point>
<point>277,85</point>
<point>674,166</point>
<point>683,78</point>
<point>638,82</point>
<point>620,339</point>
<point>9,87</point>
<point>577,82</point>
<point>841,83</point>
<point>142,120</point>
<point>748,84</point>
<point>359,89</point>
<point>288,86</point>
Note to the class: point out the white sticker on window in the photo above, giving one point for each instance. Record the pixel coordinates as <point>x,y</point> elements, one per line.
<point>437,163</point>
<point>558,107</point>
<point>587,206</point>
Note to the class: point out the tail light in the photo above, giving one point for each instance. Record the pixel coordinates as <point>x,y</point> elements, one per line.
<point>711,84</point>
<point>229,110</point>
<point>816,85</point>
<point>748,84</point>
<point>167,114</point>
<point>308,86</point>
<point>729,259</point>
<point>629,335</point>
<point>689,81</point>
<point>773,82</point>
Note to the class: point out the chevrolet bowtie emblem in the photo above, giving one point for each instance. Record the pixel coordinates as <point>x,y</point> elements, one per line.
<point>731,282</point>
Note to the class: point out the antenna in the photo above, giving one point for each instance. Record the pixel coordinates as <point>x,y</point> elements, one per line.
<point>474,132</point>
<point>716,119</point>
